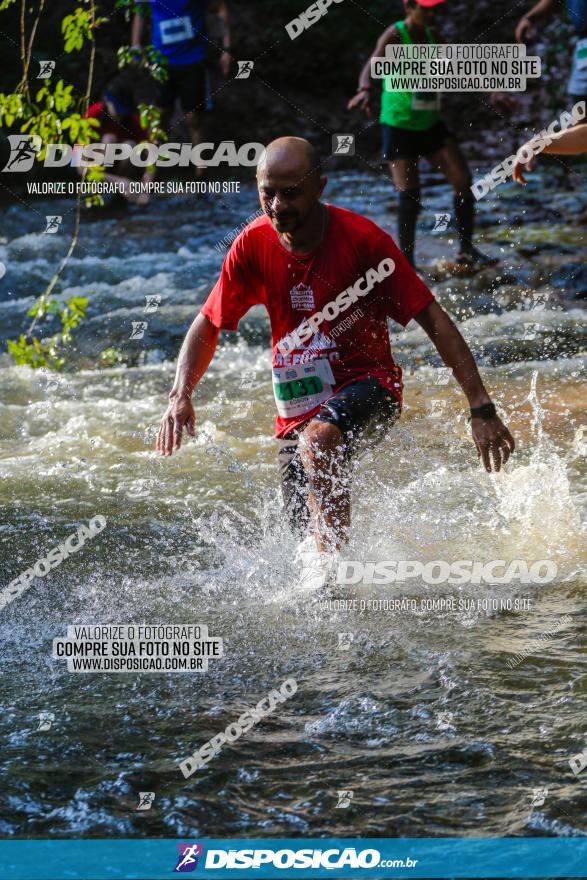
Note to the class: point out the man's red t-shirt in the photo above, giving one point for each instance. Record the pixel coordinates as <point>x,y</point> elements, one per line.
<point>343,347</point>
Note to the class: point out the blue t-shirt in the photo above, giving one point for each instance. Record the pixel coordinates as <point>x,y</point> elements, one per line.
<point>179,29</point>
<point>577,10</point>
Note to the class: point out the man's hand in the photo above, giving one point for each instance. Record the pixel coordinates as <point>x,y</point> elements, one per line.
<point>491,435</point>
<point>362,101</point>
<point>179,414</point>
<point>520,167</point>
<point>524,30</point>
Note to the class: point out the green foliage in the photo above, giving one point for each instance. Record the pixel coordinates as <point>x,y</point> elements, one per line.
<point>71,314</point>
<point>54,116</point>
<point>30,354</point>
<point>12,107</point>
<point>110,357</point>
<point>156,63</point>
<point>150,118</point>
<point>76,28</point>
<point>148,57</point>
<point>48,118</point>
<point>60,100</point>
<point>94,174</point>
<point>50,352</point>
<point>81,131</point>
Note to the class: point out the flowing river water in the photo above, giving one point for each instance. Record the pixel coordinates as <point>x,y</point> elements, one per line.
<point>422,718</point>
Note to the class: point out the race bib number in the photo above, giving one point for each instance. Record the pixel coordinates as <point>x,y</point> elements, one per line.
<point>581,54</point>
<point>301,388</point>
<point>426,101</point>
<point>176,30</point>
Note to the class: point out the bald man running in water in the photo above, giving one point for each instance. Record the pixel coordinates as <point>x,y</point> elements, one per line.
<point>329,280</point>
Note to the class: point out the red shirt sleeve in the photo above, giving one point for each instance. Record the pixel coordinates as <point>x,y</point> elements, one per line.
<point>403,294</point>
<point>237,290</point>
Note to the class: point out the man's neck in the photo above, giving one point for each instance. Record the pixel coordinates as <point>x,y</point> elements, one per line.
<point>310,235</point>
<point>416,31</point>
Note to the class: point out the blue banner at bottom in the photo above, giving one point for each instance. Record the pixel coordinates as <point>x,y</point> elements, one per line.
<point>368,858</point>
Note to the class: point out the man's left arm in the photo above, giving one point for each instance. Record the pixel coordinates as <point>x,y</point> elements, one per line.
<point>491,436</point>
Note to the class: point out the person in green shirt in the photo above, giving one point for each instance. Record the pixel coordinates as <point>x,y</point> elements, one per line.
<point>412,127</point>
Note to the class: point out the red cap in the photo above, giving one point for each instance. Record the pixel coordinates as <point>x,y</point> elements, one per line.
<point>428,3</point>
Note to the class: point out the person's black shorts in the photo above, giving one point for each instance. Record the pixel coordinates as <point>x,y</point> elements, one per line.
<point>403,143</point>
<point>189,83</point>
<point>363,409</point>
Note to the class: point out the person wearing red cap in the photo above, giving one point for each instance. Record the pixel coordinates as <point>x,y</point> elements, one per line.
<point>412,127</point>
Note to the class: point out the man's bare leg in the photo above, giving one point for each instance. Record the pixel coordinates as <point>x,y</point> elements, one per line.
<point>321,448</point>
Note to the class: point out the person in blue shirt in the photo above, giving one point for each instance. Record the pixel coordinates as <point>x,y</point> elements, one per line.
<point>179,32</point>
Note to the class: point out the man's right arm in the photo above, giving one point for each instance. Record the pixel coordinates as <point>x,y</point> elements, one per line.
<point>194,359</point>
<point>362,98</point>
<point>524,29</point>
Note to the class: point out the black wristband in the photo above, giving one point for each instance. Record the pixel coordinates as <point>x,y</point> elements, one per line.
<point>486,411</point>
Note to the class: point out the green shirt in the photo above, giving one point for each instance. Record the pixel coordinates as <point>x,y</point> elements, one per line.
<point>416,111</point>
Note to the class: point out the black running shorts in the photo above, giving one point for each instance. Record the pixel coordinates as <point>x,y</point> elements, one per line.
<point>362,409</point>
<point>403,143</point>
<point>189,83</point>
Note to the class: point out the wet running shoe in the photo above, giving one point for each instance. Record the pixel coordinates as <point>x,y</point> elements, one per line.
<point>318,569</point>
<point>474,258</point>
